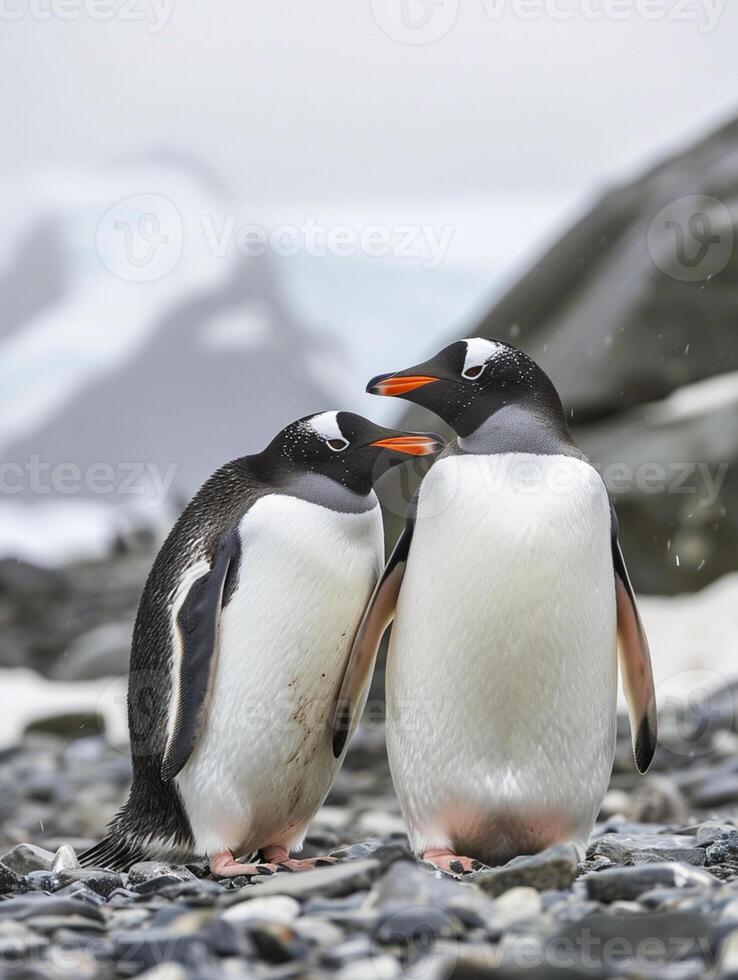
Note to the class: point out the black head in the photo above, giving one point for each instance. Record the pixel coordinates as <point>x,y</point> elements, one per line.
<point>471,380</point>
<point>345,447</point>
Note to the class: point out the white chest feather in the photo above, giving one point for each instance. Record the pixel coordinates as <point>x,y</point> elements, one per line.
<point>263,763</point>
<point>501,674</point>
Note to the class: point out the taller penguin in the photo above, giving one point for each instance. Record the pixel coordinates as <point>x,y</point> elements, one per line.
<point>509,592</point>
<point>242,636</point>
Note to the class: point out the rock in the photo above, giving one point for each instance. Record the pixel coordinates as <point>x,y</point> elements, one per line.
<point>647,938</point>
<point>148,870</point>
<point>671,326</point>
<point>34,906</point>
<point>65,859</point>
<point>722,851</point>
<point>712,831</point>
<point>629,883</point>
<point>27,857</point>
<point>166,971</point>
<point>272,908</point>
<point>647,849</point>
<point>316,931</point>
<point>276,942</point>
<point>616,803</point>
<point>10,882</point>
<point>171,884</point>
<point>18,941</point>
<point>73,724</point>
<point>517,905</point>
<point>417,929</point>
<point>727,958</point>
<point>718,791</point>
<point>658,800</point>
<point>103,651</point>
<point>380,823</point>
<point>381,967</point>
<point>355,852</point>
<point>96,879</point>
<point>147,948</point>
<point>338,879</point>
<point>356,948</point>
<point>553,868</point>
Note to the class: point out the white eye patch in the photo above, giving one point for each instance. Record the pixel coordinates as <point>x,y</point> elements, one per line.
<point>478,352</point>
<point>326,426</point>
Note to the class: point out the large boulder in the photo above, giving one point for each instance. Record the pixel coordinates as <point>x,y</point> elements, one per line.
<point>636,302</point>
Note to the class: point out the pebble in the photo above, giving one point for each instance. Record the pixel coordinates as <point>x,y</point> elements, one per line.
<point>65,859</point>
<point>630,882</point>
<point>553,868</point>
<point>647,849</point>
<point>272,908</point>
<point>516,905</point>
<point>25,858</point>
<point>660,864</point>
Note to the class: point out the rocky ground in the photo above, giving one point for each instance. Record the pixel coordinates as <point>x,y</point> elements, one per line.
<point>656,897</point>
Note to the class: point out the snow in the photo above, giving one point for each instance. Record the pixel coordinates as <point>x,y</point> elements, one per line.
<point>25,696</point>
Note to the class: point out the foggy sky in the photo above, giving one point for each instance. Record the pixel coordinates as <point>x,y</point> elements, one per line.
<point>290,99</point>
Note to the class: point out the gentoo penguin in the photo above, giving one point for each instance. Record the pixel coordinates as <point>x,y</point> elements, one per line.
<point>242,636</point>
<point>509,594</point>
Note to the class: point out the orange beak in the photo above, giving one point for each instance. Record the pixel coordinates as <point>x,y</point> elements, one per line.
<point>411,445</point>
<point>398,385</point>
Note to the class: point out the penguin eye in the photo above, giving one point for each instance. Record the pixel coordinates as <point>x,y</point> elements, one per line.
<point>337,445</point>
<point>473,372</point>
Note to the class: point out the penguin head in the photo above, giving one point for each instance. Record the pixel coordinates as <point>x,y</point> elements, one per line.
<point>470,380</point>
<point>347,448</point>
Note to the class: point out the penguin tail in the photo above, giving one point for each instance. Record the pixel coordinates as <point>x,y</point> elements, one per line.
<point>114,852</point>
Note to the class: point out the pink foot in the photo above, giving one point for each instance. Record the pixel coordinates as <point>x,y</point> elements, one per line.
<point>279,856</point>
<point>448,861</point>
<point>224,865</point>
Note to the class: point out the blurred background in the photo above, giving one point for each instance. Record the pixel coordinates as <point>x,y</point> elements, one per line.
<point>218,218</point>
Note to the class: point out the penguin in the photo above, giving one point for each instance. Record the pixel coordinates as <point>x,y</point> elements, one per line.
<point>509,595</point>
<point>242,635</point>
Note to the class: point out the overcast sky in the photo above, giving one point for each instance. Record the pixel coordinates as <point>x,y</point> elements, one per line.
<point>295,99</point>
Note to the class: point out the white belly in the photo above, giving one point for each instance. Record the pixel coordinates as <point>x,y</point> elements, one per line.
<point>264,764</point>
<point>501,675</point>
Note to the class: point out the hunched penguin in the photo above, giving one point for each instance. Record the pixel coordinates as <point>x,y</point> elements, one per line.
<point>509,594</point>
<point>242,636</point>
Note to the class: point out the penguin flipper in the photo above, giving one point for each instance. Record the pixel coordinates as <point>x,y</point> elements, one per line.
<point>635,663</point>
<point>378,615</point>
<point>197,626</point>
